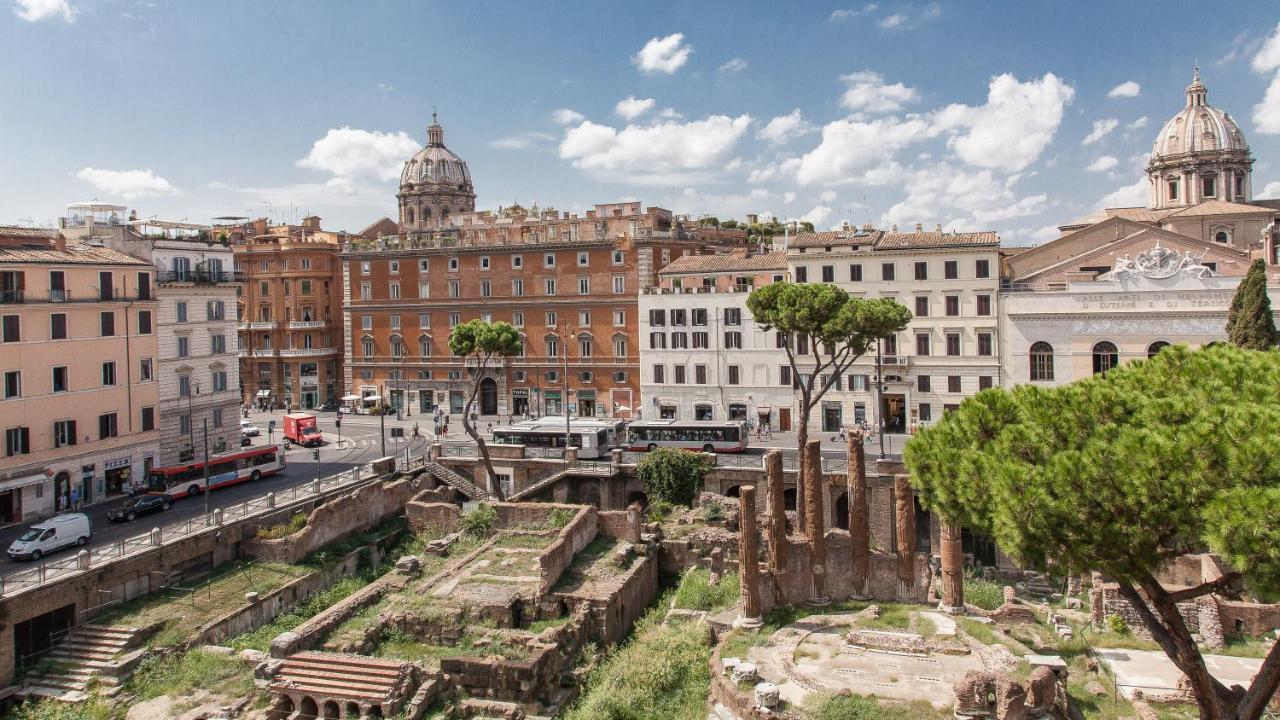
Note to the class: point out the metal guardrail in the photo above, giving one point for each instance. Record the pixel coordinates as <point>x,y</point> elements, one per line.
<point>631,457</point>
<point>749,462</point>
<point>458,450</point>
<point>96,557</point>
<point>544,452</point>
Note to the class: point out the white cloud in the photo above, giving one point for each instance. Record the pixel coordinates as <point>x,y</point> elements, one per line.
<point>663,55</point>
<point>1270,192</point>
<point>817,215</point>
<point>128,184</point>
<point>790,197</point>
<point>1266,114</point>
<point>1101,128</point>
<point>1102,164</point>
<point>892,21</point>
<point>960,199</point>
<point>1138,124</point>
<point>851,148</point>
<point>632,107</point>
<point>350,153</point>
<point>907,17</point>
<point>565,116</point>
<point>733,66</point>
<point>1015,125</point>
<point>850,13</point>
<point>867,92</point>
<point>522,141</point>
<point>785,127</point>
<point>657,153</point>
<point>37,10</point>
<point>386,87</point>
<point>1268,58</point>
<point>1135,195</point>
<point>1126,89</point>
<point>1021,237</point>
<point>669,113</point>
<point>827,196</point>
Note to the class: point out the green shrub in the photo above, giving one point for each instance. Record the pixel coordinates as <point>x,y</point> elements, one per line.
<point>283,530</point>
<point>559,518</point>
<point>659,511</point>
<point>479,521</point>
<point>673,475</point>
<point>983,593</point>
<point>1117,625</point>
<point>713,511</point>
<point>696,592</point>
<point>95,708</point>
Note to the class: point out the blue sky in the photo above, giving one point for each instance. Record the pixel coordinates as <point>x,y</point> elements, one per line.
<point>972,115</point>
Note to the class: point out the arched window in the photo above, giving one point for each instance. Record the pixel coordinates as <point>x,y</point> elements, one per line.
<point>408,216</point>
<point>397,346</point>
<point>366,345</point>
<point>1105,356</point>
<point>1041,361</point>
<point>1209,185</point>
<point>1222,237</point>
<point>424,346</point>
<point>1154,348</point>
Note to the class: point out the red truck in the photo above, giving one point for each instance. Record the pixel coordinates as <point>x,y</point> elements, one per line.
<point>300,429</point>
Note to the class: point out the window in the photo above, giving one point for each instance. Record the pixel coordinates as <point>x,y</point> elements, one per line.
<point>584,259</point>
<point>366,347</point>
<point>953,305</point>
<point>1154,348</point>
<point>60,379</point>
<point>951,270</point>
<point>700,374</point>
<point>549,287</point>
<point>620,347</point>
<point>424,320</point>
<point>982,269</point>
<point>828,273</point>
<point>184,346</point>
<point>180,311</point>
<point>184,386</point>
<point>549,260</point>
<point>953,383</point>
<point>734,375</point>
<point>424,290</point>
<point>679,374</point>
<point>108,374</point>
<point>366,322</point>
<point>922,383</point>
<point>922,270</point>
<point>678,317</point>
<point>922,306</point>
<point>1173,189</point>
<point>679,340</point>
<point>148,418</point>
<point>106,285</point>
<point>733,340</point>
<point>13,384</point>
<point>553,347</point>
<point>984,305</point>
<point>107,426</point>
<point>584,317</point>
<point>855,272</point>
<point>64,433</point>
<point>517,262</point>
<point>393,290</point>
<point>699,316</point>
<point>453,264</point>
<point>985,345</point>
<point>219,382</point>
<point>1105,356</point>
<point>455,289</point>
<point>1041,361</point>
<point>17,441</point>
<point>107,322</point>
<point>619,284</point>
<point>264,288</point>
<point>218,344</point>
<point>886,271</point>
<point>659,317</point>
<point>926,412</point>
<point>144,322</point>
<point>58,326</point>
<point>484,262</point>
<point>922,344</point>
<point>455,319</point>
<point>953,344</point>
<point>306,263</point>
<point>584,347</point>
<point>11,331</point>
<point>659,374</point>
<point>802,274</point>
<point>366,267</point>
<point>584,286</point>
<point>859,382</point>
<point>657,341</point>
<point>424,346</point>
<point>144,370</point>
<point>984,382</point>
<point>486,289</point>
<point>551,319</point>
<point>517,287</point>
<point>1209,185</point>
<point>733,316</point>
<point>784,375</point>
<point>366,291</point>
<point>619,317</point>
<point>517,318</point>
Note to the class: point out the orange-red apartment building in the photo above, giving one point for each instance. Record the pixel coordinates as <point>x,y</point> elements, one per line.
<point>568,282</point>
<point>290,313</point>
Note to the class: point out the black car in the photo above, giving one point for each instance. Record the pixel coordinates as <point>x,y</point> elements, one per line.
<point>139,505</point>
<point>245,441</point>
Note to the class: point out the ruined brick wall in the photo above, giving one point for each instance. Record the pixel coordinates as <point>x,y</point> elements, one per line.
<point>1248,619</point>
<point>794,585</point>
<point>1115,604</point>
<point>437,516</point>
<point>572,538</point>
<point>621,524</point>
<point>507,679</point>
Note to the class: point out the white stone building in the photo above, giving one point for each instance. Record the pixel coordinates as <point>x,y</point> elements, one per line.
<point>702,357</point>
<point>950,350</point>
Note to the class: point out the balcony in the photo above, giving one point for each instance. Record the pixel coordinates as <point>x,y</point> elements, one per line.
<point>21,297</point>
<point>263,352</point>
<point>893,361</point>
<point>11,297</point>
<point>198,277</point>
<point>309,352</point>
<point>264,325</point>
<point>307,324</point>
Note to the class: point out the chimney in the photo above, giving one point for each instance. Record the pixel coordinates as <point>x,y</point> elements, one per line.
<point>919,227</point>
<point>939,228</point>
<point>565,215</point>
<point>844,226</point>
<point>60,242</point>
<point>311,222</point>
<point>894,229</point>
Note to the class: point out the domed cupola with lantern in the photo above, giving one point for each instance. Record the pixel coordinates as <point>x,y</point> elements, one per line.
<point>434,184</point>
<point>1200,154</point>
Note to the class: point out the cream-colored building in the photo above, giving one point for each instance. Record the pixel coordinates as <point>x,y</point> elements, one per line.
<point>79,404</point>
<point>950,350</point>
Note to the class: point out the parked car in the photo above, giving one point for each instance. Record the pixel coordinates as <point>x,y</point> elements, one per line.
<point>138,506</point>
<point>245,441</point>
<point>248,429</point>
<point>53,534</point>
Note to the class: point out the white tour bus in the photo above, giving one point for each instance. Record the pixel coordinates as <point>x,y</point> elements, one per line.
<point>704,435</point>
<point>589,437</point>
<point>617,428</point>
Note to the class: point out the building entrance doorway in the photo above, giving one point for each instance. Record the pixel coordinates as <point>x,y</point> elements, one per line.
<point>456,402</point>
<point>33,638</point>
<point>784,419</point>
<point>586,407</point>
<point>520,405</point>
<point>488,397</point>
<point>310,398</point>
<point>831,416</point>
<point>893,413</point>
<point>62,491</point>
<point>424,401</point>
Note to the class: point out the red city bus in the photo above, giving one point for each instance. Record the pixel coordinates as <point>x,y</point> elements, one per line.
<point>179,481</point>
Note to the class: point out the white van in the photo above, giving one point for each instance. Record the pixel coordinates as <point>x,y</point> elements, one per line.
<point>53,534</point>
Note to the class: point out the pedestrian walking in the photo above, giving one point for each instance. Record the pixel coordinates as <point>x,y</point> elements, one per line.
<point>75,497</point>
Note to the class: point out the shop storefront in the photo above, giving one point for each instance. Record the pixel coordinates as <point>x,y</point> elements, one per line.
<point>586,403</point>
<point>117,474</point>
<point>551,402</point>
<point>11,492</point>
<point>520,402</point>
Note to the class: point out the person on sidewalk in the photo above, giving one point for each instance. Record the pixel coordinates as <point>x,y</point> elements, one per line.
<point>75,497</point>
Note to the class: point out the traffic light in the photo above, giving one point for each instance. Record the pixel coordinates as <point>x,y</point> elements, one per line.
<point>338,422</point>
<point>315,455</point>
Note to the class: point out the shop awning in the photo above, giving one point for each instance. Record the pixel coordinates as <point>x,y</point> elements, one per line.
<point>264,393</point>
<point>16,483</point>
<point>350,398</point>
<point>371,398</point>
<point>763,410</point>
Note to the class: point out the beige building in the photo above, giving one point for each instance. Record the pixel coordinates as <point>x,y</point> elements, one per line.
<point>78,355</point>
<point>949,281</point>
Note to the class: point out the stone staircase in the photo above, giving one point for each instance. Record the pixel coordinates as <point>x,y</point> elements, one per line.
<point>538,486</point>
<point>456,481</point>
<point>343,678</point>
<point>90,654</point>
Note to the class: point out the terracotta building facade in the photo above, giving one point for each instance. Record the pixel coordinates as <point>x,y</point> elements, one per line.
<point>290,314</point>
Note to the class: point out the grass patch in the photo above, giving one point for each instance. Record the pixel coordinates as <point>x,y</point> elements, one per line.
<point>696,592</point>
<point>1108,706</point>
<point>860,707</point>
<point>528,542</point>
<point>739,641</point>
<point>983,593</point>
<point>479,522</point>
<point>95,708</point>
<point>1249,647</point>
<point>537,626</point>
<point>176,674</point>
<point>663,672</point>
<point>283,530</point>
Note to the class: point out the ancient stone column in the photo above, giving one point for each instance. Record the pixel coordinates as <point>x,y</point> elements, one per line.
<point>777,505</point>
<point>815,524</point>
<point>952,569</point>
<point>859,518</point>
<point>748,560</point>
<point>905,506</point>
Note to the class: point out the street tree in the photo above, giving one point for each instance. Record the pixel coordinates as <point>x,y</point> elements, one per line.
<point>826,330</point>
<point>673,475</point>
<point>1250,324</point>
<point>482,343</point>
<point>1122,473</point>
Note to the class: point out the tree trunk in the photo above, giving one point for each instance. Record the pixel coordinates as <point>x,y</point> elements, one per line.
<point>495,487</point>
<point>802,439</point>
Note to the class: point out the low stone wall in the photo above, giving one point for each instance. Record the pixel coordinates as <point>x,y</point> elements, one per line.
<point>580,531</point>
<point>896,642</point>
<point>308,634</point>
<point>739,702</point>
<point>621,524</point>
<point>338,518</point>
<point>614,614</point>
<point>1247,619</point>
<point>437,516</point>
<point>510,680</point>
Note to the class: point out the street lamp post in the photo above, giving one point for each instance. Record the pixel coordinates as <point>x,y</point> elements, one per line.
<point>205,423</point>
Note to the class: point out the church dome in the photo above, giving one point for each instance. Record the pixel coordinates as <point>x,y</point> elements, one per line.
<point>1198,127</point>
<point>435,163</point>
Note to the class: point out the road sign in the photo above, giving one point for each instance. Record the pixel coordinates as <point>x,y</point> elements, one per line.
<point>271,425</point>
<point>338,422</point>
<point>397,432</point>
<point>315,454</point>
